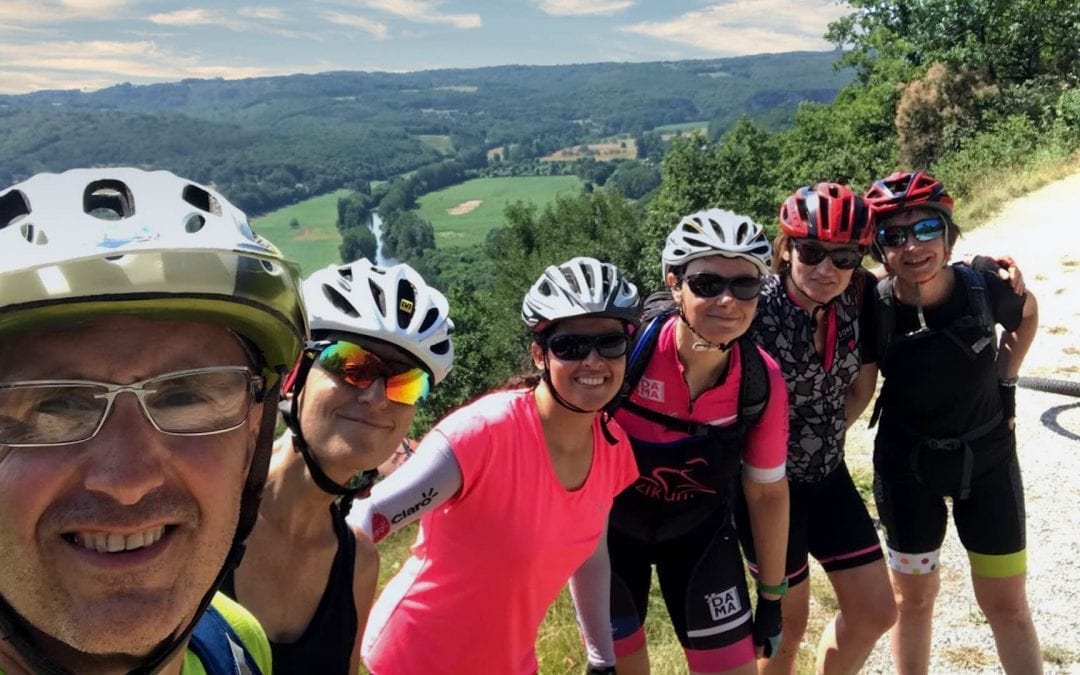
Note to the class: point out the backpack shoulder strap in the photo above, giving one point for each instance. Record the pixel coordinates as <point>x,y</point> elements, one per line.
<point>754,385</point>
<point>658,307</point>
<point>886,317</point>
<point>219,648</point>
<point>979,305</point>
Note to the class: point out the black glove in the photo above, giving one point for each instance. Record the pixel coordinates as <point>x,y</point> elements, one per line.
<point>600,670</point>
<point>1008,399</point>
<point>767,624</point>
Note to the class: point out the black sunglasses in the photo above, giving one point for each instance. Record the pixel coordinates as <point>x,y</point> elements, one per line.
<point>570,347</point>
<point>927,229</point>
<point>707,285</point>
<point>842,258</point>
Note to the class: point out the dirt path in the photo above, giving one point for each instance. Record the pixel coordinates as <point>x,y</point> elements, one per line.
<point>1042,231</point>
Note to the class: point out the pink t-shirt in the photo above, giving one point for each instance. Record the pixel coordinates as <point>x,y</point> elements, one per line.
<point>489,562</point>
<point>663,388</point>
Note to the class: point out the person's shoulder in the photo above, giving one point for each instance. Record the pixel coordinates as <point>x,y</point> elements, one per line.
<point>772,366</point>
<point>246,627</point>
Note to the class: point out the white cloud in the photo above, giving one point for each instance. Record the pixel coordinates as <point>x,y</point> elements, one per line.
<point>421,11</point>
<point>263,13</point>
<point>748,26</point>
<point>32,12</point>
<point>377,29</point>
<point>187,17</point>
<point>245,20</point>
<point>583,7</point>
<point>93,64</point>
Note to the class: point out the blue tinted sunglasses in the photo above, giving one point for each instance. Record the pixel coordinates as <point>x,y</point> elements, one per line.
<point>927,229</point>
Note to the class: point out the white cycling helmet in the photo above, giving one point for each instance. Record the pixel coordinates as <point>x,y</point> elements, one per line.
<point>580,287</point>
<point>93,242</point>
<point>392,304</point>
<point>717,232</point>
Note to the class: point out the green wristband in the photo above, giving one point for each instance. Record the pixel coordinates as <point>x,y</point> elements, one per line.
<point>780,589</point>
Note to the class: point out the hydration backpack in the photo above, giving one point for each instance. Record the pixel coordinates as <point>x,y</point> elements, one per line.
<point>219,648</point>
<point>979,316</point>
<point>753,385</point>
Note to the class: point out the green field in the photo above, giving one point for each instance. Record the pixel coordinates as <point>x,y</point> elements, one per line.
<point>441,144</point>
<point>315,244</point>
<point>493,194</point>
<point>679,128</point>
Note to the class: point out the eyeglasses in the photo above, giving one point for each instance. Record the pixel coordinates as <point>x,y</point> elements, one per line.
<point>569,347</point>
<point>196,402</point>
<point>842,258</point>
<point>927,229</point>
<point>360,368</point>
<point>707,285</point>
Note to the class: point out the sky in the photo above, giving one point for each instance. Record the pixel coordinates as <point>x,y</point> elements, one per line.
<point>91,44</point>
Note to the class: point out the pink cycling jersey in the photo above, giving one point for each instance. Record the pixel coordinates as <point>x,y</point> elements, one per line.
<point>489,562</point>
<point>663,388</point>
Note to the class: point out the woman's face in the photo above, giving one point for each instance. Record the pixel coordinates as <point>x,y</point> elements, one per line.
<point>915,261</point>
<point>722,318</point>
<point>814,268</point>
<point>591,381</point>
<point>351,428</point>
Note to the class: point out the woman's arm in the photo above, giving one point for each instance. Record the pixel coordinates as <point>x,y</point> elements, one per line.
<point>428,479</point>
<point>859,393</point>
<point>590,588</point>
<point>1014,347</point>
<point>768,506</point>
<point>1015,344</point>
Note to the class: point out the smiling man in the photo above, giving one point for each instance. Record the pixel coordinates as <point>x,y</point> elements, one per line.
<point>143,331</point>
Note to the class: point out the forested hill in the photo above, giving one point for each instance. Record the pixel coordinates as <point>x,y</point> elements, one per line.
<point>269,141</point>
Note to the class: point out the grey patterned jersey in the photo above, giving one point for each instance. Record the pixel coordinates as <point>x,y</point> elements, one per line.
<point>818,417</point>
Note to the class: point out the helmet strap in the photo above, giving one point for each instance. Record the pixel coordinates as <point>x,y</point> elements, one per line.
<point>17,630</point>
<point>604,416</point>
<point>290,413</point>
<point>701,344</point>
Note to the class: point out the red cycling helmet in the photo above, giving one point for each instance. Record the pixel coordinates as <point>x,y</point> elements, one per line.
<point>827,212</point>
<point>906,189</point>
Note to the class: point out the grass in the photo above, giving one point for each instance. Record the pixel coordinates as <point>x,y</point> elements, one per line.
<point>441,144</point>
<point>315,244</point>
<point>493,194</point>
<point>680,128</point>
<point>988,196</point>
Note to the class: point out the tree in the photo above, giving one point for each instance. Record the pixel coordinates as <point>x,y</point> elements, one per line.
<point>1011,41</point>
<point>294,224</point>
<point>357,242</point>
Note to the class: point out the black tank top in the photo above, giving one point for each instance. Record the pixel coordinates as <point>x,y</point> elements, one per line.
<point>326,644</point>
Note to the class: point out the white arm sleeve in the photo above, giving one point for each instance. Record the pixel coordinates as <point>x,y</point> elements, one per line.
<point>590,587</point>
<point>428,479</point>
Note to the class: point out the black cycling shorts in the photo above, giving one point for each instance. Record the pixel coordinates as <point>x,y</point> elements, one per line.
<point>990,521</point>
<point>701,577</point>
<point>829,521</point>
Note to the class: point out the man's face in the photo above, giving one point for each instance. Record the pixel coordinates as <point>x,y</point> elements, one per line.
<point>169,503</point>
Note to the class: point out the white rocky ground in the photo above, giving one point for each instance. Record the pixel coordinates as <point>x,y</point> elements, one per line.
<point>1042,231</point>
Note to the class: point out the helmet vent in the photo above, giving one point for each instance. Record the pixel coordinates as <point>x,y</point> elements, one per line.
<point>377,294</point>
<point>32,234</point>
<point>201,199</point>
<point>345,273</point>
<point>572,281</point>
<point>429,319</point>
<point>339,301</point>
<point>441,348</point>
<point>406,303</point>
<point>108,199</point>
<point>13,206</point>
<point>194,223</point>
